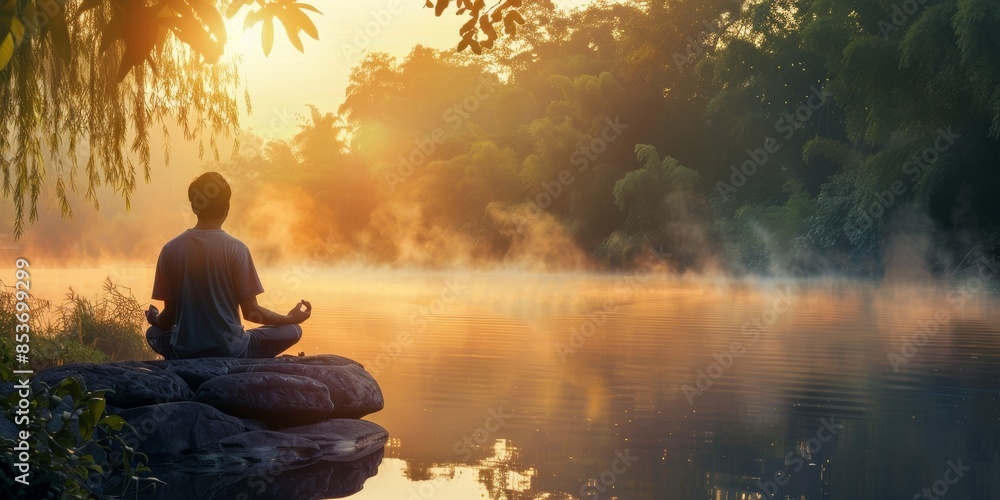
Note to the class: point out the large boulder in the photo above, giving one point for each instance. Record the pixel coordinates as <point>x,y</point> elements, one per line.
<point>353,391</point>
<point>343,439</point>
<point>279,399</point>
<point>131,383</point>
<point>169,430</point>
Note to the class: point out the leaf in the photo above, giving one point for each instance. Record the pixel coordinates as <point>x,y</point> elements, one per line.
<point>193,33</point>
<point>487,27</point>
<point>471,24</point>
<point>510,22</point>
<point>60,38</point>
<point>253,17</point>
<point>7,44</point>
<point>96,407</point>
<point>428,4</point>
<point>86,5</point>
<point>211,18</point>
<point>113,421</point>
<point>235,7</point>
<point>267,35</point>
<point>305,6</point>
<point>292,30</point>
<point>304,23</point>
<point>441,6</point>
<point>466,41</point>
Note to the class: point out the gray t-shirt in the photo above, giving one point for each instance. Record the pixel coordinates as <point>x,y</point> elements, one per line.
<point>206,273</point>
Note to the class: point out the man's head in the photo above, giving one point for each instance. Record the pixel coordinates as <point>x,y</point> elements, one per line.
<point>209,195</point>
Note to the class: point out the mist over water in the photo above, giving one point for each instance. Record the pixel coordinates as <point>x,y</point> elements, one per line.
<point>519,384</point>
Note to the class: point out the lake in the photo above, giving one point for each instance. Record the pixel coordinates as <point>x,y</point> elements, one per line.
<point>521,385</point>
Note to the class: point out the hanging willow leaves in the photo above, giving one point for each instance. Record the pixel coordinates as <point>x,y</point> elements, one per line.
<point>80,95</point>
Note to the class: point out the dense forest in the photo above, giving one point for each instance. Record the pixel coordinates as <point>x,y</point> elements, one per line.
<point>773,136</point>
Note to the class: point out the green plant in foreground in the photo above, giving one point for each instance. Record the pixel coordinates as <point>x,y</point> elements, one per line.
<point>68,436</point>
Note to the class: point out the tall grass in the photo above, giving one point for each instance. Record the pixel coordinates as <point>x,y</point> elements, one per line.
<point>79,330</point>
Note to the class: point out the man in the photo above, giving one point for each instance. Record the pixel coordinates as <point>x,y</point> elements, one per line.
<point>202,276</point>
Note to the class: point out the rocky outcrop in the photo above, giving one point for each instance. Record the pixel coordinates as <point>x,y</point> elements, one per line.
<point>287,422</point>
<point>353,391</point>
<point>129,383</point>
<point>280,400</point>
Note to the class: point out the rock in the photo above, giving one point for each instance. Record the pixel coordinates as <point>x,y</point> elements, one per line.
<point>169,430</point>
<point>353,391</point>
<point>322,359</point>
<point>196,371</point>
<point>134,384</point>
<point>343,439</point>
<point>279,399</point>
<point>7,428</point>
<point>252,424</point>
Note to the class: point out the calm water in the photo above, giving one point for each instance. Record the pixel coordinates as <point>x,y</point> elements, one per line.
<point>508,385</point>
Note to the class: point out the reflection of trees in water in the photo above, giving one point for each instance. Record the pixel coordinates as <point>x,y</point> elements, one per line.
<point>503,474</point>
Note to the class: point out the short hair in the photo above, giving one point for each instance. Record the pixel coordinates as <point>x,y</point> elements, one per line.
<point>209,195</point>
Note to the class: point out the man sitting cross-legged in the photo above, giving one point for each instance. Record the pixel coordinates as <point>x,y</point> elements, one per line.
<point>202,276</point>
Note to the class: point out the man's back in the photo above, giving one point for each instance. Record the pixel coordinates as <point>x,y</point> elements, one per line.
<point>206,273</point>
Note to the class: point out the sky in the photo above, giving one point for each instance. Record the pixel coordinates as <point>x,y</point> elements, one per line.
<point>282,84</point>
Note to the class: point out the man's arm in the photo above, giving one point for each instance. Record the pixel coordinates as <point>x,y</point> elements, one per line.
<point>252,311</point>
<point>164,320</point>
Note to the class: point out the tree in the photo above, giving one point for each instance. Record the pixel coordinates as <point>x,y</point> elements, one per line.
<point>82,80</point>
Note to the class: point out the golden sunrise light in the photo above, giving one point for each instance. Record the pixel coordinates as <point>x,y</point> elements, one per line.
<point>521,249</point>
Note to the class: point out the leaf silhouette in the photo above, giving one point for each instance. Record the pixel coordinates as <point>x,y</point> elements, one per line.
<point>441,6</point>
<point>267,35</point>
<point>292,30</point>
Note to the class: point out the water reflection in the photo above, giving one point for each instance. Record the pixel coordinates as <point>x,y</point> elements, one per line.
<point>574,417</point>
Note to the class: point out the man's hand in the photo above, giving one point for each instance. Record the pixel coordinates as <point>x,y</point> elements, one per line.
<point>297,315</point>
<point>151,314</point>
